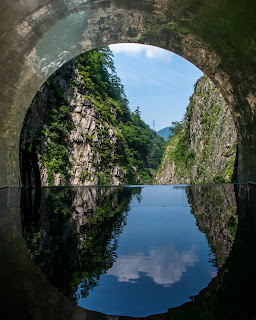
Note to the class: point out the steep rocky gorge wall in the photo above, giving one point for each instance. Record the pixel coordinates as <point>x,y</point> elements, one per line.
<point>204,150</point>
<point>84,131</point>
<point>87,135</point>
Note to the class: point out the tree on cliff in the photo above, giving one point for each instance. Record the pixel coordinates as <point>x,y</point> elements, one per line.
<point>93,76</point>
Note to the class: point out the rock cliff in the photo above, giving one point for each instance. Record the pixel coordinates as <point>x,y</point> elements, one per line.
<point>84,131</point>
<point>203,148</point>
<point>87,134</point>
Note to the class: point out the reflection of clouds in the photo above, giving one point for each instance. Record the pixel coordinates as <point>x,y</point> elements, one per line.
<point>213,274</point>
<point>165,266</point>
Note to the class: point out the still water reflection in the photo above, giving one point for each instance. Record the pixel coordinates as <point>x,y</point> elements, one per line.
<point>150,247</point>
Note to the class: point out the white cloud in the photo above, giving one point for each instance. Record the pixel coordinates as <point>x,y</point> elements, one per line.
<point>127,48</point>
<point>158,53</point>
<point>135,49</point>
<point>164,267</point>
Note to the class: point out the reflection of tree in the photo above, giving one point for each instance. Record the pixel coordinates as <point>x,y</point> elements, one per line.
<point>229,296</point>
<point>30,208</point>
<point>215,209</point>
<point>76,238</point>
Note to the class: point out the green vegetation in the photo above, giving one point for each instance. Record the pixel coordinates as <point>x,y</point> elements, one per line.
<point>202,146</point>
<point>56,159</point>
<point>180,151</point>
<point>57,124</point>
<point>137,150</point>
<point>74,252</point>
<point>164,133</point>
<point>143,148</point>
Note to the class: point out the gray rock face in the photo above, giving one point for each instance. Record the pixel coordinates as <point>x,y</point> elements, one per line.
<point>215,210</point>
<point>204,151</point>
<point>84,140</point>
<point>213,37</point>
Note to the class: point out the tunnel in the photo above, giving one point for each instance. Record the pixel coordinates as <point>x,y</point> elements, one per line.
<point>39,36</point>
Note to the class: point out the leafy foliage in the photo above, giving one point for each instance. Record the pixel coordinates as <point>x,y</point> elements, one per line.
<point>58,124</point>
<point>176,127</point>
<point>137,150</point>
<point>70,256</point>
<point>144,149</point>
<point>140,149</point>
<point>199,145</point>
<point>165,133</point>
<point>181,153</point>
<point>99,74</point>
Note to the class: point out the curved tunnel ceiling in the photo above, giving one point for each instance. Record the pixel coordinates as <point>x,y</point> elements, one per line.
<point>38,36</point>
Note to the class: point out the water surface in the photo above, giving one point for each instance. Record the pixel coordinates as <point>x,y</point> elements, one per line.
<point>162,258</point>
<point>131,250</point>
<point>56,240</point>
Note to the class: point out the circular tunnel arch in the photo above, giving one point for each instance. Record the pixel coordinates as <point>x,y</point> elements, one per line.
<point>39,36</point>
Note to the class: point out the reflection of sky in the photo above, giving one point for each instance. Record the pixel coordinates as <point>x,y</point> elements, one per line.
<point>162,258</point>
<point>164,266</point>
<point>163,196</point>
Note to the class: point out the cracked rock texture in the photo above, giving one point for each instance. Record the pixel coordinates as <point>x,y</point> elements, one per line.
<point>204,150</point>
<point>84,141</point>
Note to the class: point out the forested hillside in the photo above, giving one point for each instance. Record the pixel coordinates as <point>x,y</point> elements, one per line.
<point>203,146</point>
<point>164,133</point>
<point>83,130</point>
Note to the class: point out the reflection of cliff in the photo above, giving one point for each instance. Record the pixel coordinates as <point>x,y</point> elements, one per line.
<point>72,222</point>
<point>228,296</point>
<point>215,210</point>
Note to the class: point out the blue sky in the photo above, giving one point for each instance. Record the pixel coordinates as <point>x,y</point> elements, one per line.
<point>158,81</point>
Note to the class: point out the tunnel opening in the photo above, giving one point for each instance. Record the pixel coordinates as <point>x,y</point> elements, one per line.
<point>93,222</point>
<point>84,128</point>
<point>81,123</point>
<point>37,37</point>
<point>182,28</point>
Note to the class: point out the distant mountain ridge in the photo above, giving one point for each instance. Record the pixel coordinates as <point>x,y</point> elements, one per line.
<point>164,133</point>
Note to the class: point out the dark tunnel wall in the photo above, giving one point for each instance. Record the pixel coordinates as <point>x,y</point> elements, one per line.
<point>38,36</point>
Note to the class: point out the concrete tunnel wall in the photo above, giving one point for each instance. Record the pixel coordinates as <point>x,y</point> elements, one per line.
<point>39,36</point>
